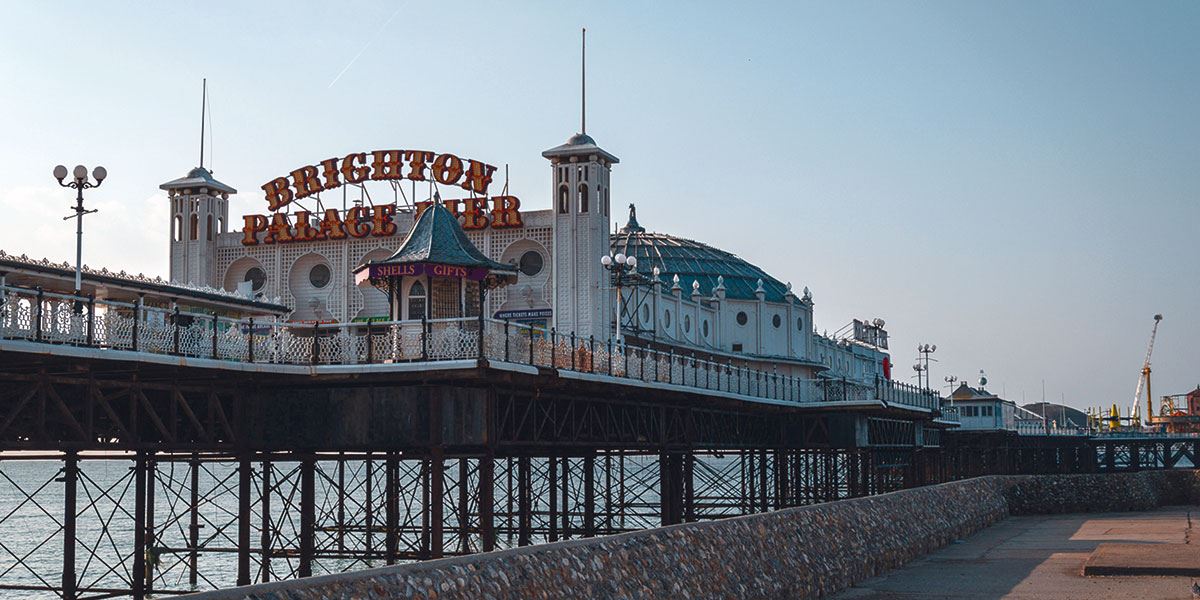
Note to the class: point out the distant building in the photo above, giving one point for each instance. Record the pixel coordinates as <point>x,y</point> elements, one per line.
<point>981,410</point>
<point>1193,401</point>
<point>1058,415</point>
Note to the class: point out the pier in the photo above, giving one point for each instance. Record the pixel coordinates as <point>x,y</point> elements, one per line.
<point>187,452</point>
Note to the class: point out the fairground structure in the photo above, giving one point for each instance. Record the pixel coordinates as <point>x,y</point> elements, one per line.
<point>334,388</point>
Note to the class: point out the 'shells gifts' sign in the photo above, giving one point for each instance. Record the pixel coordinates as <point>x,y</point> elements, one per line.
<point>431,269</point>
<point>362,221</point>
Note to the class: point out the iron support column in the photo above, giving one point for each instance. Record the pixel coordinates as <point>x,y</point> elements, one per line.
<point>70,481</point>
<point>138,574</point>
<point>244,515</point>
<point>524,502</point>
<point>486,495</point>
<point>307,515</point>
<point>194,522</point>
<point>589,495</point>
<point>392,508</point>
<point>436,484</point>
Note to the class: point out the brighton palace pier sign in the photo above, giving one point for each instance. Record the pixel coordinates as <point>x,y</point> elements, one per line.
<point>477,212</point>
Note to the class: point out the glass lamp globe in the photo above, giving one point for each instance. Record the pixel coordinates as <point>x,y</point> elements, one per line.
<point>99,173</point>
<point>80,172</point>
<point>606,260</point>
<point>60,172</point>
<point>631,261</point>
<point>620,258</point>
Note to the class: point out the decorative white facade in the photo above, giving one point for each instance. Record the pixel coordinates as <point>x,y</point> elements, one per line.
<point>701,301</point>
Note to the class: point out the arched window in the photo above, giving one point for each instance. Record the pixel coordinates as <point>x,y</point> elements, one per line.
<point>564,200</point>
<point>583,198</point>
<point>195,227</point>
<point>177,229</point>
<point>220,225</point>
<point>210,228</point>
<point>416,301</point>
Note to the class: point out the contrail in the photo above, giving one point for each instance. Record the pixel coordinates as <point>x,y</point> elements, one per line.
<point>365,46</point>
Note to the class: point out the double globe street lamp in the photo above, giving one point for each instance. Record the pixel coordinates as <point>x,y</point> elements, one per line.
<point>79,182</point>
<point>923,360</point>
<point>619,265</point>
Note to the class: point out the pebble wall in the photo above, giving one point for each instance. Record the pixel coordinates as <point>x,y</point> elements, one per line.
<point>804,552</point>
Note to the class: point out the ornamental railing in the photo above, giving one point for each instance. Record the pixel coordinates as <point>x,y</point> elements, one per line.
<point>40,316</point>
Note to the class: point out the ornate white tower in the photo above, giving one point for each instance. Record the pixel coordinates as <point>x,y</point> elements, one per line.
<point>583,293</point>
<point>199,213</point>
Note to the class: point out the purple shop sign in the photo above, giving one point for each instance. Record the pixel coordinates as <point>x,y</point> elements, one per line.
<point>384,271</point>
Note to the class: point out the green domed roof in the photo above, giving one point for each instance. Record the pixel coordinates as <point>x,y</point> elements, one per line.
<point>693,261</point>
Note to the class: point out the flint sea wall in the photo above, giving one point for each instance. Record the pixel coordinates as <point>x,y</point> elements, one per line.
<point>804,552</point>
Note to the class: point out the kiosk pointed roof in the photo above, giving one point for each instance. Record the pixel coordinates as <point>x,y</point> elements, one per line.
<point>437,237</point>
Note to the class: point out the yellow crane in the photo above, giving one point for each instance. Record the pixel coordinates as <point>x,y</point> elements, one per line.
<point>1144,379</point>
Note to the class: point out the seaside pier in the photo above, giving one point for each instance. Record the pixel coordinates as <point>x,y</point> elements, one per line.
<point>219,453</point>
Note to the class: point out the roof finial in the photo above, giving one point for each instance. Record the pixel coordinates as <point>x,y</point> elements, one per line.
<point>583,84</point>
<point>203,107</point>
<point>632,226</point>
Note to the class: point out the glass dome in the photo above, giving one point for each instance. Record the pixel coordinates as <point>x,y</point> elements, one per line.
<point>694,261</point>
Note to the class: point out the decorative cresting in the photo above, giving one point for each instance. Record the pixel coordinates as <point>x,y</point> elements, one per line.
<point>138,278</point>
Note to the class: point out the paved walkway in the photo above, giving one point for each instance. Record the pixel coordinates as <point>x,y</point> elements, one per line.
<point>1038,557</point>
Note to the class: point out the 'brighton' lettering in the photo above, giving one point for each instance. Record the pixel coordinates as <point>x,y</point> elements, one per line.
<point>379,165</point>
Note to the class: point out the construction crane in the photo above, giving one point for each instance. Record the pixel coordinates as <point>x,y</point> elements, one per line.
<point>1144,379</point>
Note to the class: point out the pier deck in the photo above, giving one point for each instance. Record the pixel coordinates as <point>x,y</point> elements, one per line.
<point>1038,557</point>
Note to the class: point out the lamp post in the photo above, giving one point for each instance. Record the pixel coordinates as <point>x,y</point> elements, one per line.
<point>618,265</point>
<point>79,182</point>
<point>923,351</point>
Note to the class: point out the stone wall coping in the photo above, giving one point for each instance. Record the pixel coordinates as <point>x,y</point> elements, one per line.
<point>1007,486</point>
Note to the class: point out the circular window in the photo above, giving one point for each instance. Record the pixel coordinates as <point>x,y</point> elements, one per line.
<point>319,276</point>
<point>687,323</point>
<point>800,324</point>
<point>257,278</point>
<point>645,313</point>
<point>776,321</point>
<point>666,318</point>
<point>742,318</point>
<point>531,263</point>
<point>704,328</point>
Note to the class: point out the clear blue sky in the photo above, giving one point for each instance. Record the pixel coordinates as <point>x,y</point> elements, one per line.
<point>1016,182</point>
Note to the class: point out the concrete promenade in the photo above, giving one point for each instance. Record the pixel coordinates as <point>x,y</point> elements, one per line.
<point>1038,556</point>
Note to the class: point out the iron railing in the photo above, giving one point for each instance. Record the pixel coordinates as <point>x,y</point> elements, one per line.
<point>41,316</point>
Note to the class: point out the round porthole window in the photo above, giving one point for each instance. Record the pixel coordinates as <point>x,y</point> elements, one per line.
<point>742,318</point>
<point>776,321</point>
<point>531,263</point>
<point>257,278</point>
<point>319,276</point>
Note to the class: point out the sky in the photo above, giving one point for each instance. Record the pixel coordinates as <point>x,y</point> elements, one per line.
<point>1015,182</point>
